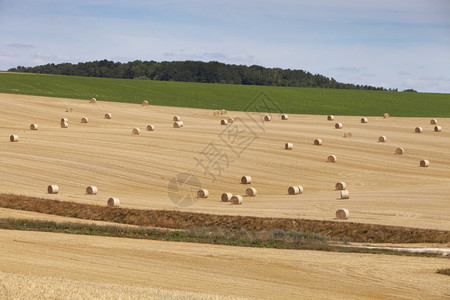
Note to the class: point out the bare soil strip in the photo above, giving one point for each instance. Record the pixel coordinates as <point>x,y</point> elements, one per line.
<point>354,232</point>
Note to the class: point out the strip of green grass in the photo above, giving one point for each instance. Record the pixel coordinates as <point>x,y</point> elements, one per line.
<point>232,97</point>
<point>278,239</point>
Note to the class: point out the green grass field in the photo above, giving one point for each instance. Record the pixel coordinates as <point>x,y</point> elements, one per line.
<point>231,97</point>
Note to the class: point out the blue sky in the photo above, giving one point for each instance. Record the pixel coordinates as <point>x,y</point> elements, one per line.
<point>394,44</point>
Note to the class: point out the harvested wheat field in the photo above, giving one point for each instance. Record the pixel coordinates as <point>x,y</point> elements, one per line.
<point>385,188</point>
<point>100,267</point>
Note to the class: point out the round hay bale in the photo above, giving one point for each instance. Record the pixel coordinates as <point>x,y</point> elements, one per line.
<point>437,128</point>
<point>424,163</point>
<point>330,118</point>
<point>84,120</point>
<point>178,124</point>
<point>91,190</point>
<point>236,200</point>
<point>136,131</point>
<point>348,134</point>
<point>34,126</point>
<point>150,127</point>
<point>364,120</point>
<point>115,202</point>
<point>145,103</point>
<point>433,122</point>
<point>295,190</point>
<point>14,138</point>
<point>202,193</point>
<point>53,189</point>
<point>332,158</point>
<point>318,142</point>
<point>246,180</point>
<point>216,113</point>
<point>386,115</point>
<point>223,112</point>
<point>338,125</point>
<point>399,151</point>
<point>64,120</point>
<point>93,100</point>
<point>64,125</point>
<point>288,146</point>
<point>250,192</point>
<point>342,214</point>
<point>340,185</point>
<point>226,197</point>
<point>108,116</point>
<point>284,117</point>
<point>345,194</point>
<point>69,109</point>
<point>382,139</point>
<point>223,122</point>
<point>176,118</point>
<point>267,118</point>
<point>418,130</point>
<point>230,120</point>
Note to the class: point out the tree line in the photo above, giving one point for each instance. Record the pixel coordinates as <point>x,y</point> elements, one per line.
<point>194,71</point>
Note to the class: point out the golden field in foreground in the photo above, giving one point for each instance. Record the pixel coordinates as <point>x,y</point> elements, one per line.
<point>384,188</point>
<point>39,263</point>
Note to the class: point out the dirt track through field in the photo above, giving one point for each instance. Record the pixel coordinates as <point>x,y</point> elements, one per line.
<point>222,270</point>
<point>385,188</point>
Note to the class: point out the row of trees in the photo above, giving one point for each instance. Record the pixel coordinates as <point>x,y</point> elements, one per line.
<point>194,71</point>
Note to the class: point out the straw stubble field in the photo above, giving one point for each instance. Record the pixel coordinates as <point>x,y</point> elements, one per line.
<point>385,188</point>
<point>103,268</point>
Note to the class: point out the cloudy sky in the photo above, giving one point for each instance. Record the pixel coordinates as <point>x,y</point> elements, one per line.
<point>391,43</point>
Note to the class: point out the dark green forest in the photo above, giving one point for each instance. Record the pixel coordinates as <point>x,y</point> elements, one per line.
<point>194,71</point>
